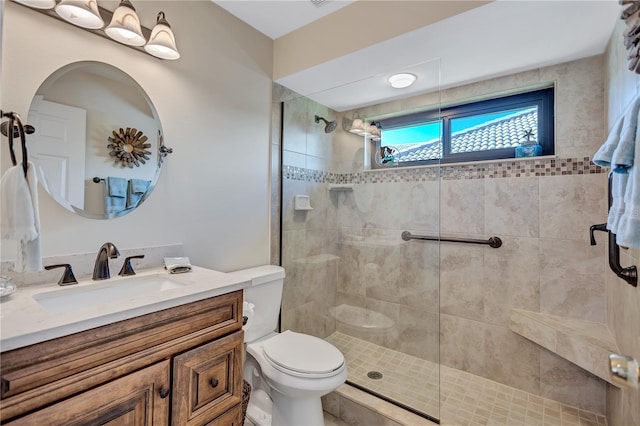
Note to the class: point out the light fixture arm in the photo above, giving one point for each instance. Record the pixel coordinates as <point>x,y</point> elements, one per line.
<point>160,19</point>
<point>126,3</point>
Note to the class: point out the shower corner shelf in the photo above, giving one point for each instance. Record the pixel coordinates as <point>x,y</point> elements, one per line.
<point>341,188</point>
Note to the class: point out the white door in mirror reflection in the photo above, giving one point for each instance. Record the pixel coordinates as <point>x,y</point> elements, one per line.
<point>58,145</point>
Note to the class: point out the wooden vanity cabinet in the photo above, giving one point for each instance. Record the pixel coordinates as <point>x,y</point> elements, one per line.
<point>180,366</point>
<point>202,376</point>
<point>134,399</point>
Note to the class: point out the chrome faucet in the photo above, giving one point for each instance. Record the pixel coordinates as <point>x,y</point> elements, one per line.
<point>101,268</point>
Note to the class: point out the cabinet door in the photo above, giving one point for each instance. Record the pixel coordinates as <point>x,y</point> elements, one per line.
<point>232,417</point>
<point>207,381</point>
<point>139,399</point>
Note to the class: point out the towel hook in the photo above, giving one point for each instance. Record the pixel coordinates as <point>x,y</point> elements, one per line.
<point>28,129</point>
<point>16,123</point>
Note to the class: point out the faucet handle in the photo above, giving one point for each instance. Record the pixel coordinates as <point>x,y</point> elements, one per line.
<point>66,278</point>
<point>127,269</point>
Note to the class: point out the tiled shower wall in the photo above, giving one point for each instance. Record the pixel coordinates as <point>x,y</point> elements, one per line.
<point>452,303</point>
<point>623,406</point>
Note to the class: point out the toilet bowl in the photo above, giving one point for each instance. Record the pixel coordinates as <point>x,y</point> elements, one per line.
<point>289,372</point>
<point>298,370</point>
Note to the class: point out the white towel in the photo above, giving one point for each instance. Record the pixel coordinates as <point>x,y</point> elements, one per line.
<point>177,265</point>
<point>20,216</point>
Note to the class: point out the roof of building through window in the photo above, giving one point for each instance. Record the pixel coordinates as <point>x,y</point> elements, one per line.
<point>505,132</point>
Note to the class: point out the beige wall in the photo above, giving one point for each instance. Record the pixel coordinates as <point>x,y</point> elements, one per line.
<point>459,295</point>
<point>623,406</point>
<point>355,27</point>
<point>214,104</point>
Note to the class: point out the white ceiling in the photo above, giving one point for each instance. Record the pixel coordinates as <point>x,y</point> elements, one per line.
<point>276,18</point>
<point>499,38</point>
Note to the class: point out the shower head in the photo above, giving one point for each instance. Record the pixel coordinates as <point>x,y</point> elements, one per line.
<point>330,125</point>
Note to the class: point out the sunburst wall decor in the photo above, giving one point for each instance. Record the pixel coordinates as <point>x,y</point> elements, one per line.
<point>129,147</point>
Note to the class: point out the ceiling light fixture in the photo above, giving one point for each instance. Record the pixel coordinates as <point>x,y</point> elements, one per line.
<point>162,43</point>
<point>402,80</point>
<point>83,13</point>
<point>125,25</point>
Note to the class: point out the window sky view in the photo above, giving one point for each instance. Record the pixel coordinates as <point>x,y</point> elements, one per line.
<point>430,132</point>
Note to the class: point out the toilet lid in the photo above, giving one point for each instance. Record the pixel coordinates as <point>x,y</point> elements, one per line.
<point>302,353</point>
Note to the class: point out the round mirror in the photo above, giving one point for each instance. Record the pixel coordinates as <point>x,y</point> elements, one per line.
<point>97,146</point>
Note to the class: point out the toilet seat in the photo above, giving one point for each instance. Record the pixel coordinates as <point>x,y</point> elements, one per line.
<point>302,355</point>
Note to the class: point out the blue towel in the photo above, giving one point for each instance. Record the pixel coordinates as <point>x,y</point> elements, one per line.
<point>628,234</point>
<point>115,195</point>
<point>618,189</point>
<point>135,191</point>
<point>604,156</point>
<point>621,152</point>
<point>624,155</point>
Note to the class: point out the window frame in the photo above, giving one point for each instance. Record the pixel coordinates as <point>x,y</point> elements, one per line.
<point>542,98</point>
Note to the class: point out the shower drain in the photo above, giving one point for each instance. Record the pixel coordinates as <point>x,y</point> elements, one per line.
<point>374,375</point>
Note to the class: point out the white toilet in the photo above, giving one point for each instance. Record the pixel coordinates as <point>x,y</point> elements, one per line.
<point>288,371</point>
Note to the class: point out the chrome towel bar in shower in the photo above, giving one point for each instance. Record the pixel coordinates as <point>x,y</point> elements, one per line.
<point>493,242</point>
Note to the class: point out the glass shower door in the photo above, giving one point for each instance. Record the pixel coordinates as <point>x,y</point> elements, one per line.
<point>351,278</point>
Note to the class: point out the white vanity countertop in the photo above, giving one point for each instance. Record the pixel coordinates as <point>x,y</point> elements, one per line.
<point>24,321</point>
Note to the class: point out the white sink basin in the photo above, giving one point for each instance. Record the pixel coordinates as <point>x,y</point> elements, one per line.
<point>104,292</point>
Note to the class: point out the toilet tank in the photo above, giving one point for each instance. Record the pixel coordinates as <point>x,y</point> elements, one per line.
<point>265,293</point>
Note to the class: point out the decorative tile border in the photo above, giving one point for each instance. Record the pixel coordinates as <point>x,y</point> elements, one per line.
<point>501,169</point>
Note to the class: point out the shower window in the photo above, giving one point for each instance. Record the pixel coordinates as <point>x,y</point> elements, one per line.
<point>483,130</point>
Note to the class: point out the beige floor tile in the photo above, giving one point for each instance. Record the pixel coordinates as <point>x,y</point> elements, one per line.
<point>456,397</point>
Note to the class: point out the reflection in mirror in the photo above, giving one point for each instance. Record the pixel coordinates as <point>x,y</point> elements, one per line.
<point>90,119</point>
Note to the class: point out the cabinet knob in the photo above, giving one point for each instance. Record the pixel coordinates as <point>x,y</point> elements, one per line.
<point>164,393</point>
<point>214,383</point>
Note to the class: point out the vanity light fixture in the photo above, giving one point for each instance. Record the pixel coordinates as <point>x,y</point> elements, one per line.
<point>355,124</point>
<point>373,130</point>
<point>83,13</point>
<point>162,42</point>
<point>125,25</point>
<point>402,80</point>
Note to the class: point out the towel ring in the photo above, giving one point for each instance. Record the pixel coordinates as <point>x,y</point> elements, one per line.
<point>14,121</point>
